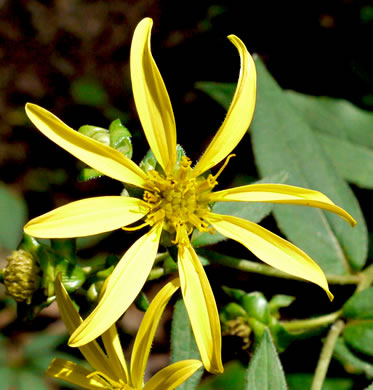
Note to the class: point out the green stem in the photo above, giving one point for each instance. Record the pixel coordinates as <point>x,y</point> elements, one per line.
<point>311,323</point>
<point>251,266</point>
<point>366,279</point>
<point>326,355</point>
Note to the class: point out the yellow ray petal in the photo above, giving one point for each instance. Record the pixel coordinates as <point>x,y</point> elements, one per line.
<point>114,351</point>
<point>200,304</point>
<point>146,332</point>
<point>124,284</point>
<point>151,98</point>
<point>87,217</point>
<point>280,193</point>
<point>270,248</point>
<point>105,159</point>
<point>71,318</point>
<point>172,376</point>
<point>238,116</point>
<point>75,374</point>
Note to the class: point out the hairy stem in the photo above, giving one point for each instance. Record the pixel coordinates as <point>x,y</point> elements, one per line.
<point>311,323</point>
<point>326,355</point>
<point>251,266</point>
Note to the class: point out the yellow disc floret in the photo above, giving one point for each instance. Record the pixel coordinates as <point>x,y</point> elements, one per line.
<point>180,200</point>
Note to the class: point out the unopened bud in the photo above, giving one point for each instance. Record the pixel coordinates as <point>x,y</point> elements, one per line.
<point>21,277</point>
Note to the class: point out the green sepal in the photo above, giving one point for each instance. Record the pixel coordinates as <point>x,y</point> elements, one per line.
<point>94,290</point>
<point>256,306</point>
<point>142,302</point>
<point>73,276</point>
<point>89,174</point>
<point>234,293</point>
<point>120,138</point>
<point>279,301</point>
<point>231,311</point>
<point>65,248</point>
<point>97,133</point>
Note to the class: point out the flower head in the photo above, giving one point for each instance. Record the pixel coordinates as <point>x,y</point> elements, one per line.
<point>110,369</point>
<point>176,200</point>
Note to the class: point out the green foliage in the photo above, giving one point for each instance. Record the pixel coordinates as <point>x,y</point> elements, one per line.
<point>89,92</point>
<point>359,335</point>
<point>344,130</point>
<point>304,382</point>
<point>283,140</point>
<point>360,306</point>
<point>232,378</point>
<point>183,345</point>
<point>350,361</point>
<point>13,217</point>
<point>265,370</point>
<point>27,371</point>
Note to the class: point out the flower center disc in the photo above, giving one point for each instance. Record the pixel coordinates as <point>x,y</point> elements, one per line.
<point>181,200</point>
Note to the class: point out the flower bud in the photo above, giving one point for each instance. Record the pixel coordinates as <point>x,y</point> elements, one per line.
<point>21,277</point>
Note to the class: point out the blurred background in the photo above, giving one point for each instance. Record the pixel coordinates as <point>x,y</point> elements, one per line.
<point>72,57</point>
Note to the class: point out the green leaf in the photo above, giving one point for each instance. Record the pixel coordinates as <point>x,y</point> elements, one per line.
<point>283,140</point>
<point>27,380</point>
<point>352,363</point>
<point>359,335</point>
<point>89,92</point>
<point>13,217</point>
<point>370,387</point>
<point>233,378</point>
<point>304,382</point>
<point>344,130</point>
<point>183,345</point>
<point>7,376</point>
<point>360,306</point>
<point>265,371</point>
<point>254,212</point>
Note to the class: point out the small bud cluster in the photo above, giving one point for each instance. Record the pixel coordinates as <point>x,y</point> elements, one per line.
<point>21,277</point>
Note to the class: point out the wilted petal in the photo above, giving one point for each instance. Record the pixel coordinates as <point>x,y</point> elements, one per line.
<point>172,376</point>
<point>200,304</point>
<point>105,159</point>
<point>146,332</point>
<point>270,248</point>
<point>71,318</point>
<point>75,374</point>
<point>126,281</point>
<point>114,351</point>
<point>238,117</point>
<point>87,217</point>
<point>280,193</point>
<point>151,98</point>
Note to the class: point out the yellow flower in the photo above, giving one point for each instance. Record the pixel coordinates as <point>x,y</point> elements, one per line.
<point>110,369</point>
<point>176,201</point>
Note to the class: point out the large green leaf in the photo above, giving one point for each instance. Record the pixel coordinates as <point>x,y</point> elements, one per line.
<point>352,363</point>
<point>254,212</point>
<point>183,345</point>
<point>360,306</point>
<point>13,217</point>
<point>344,130</point>
<point>284,141</point>
<point>359,335</point>
<point>265,371</point>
